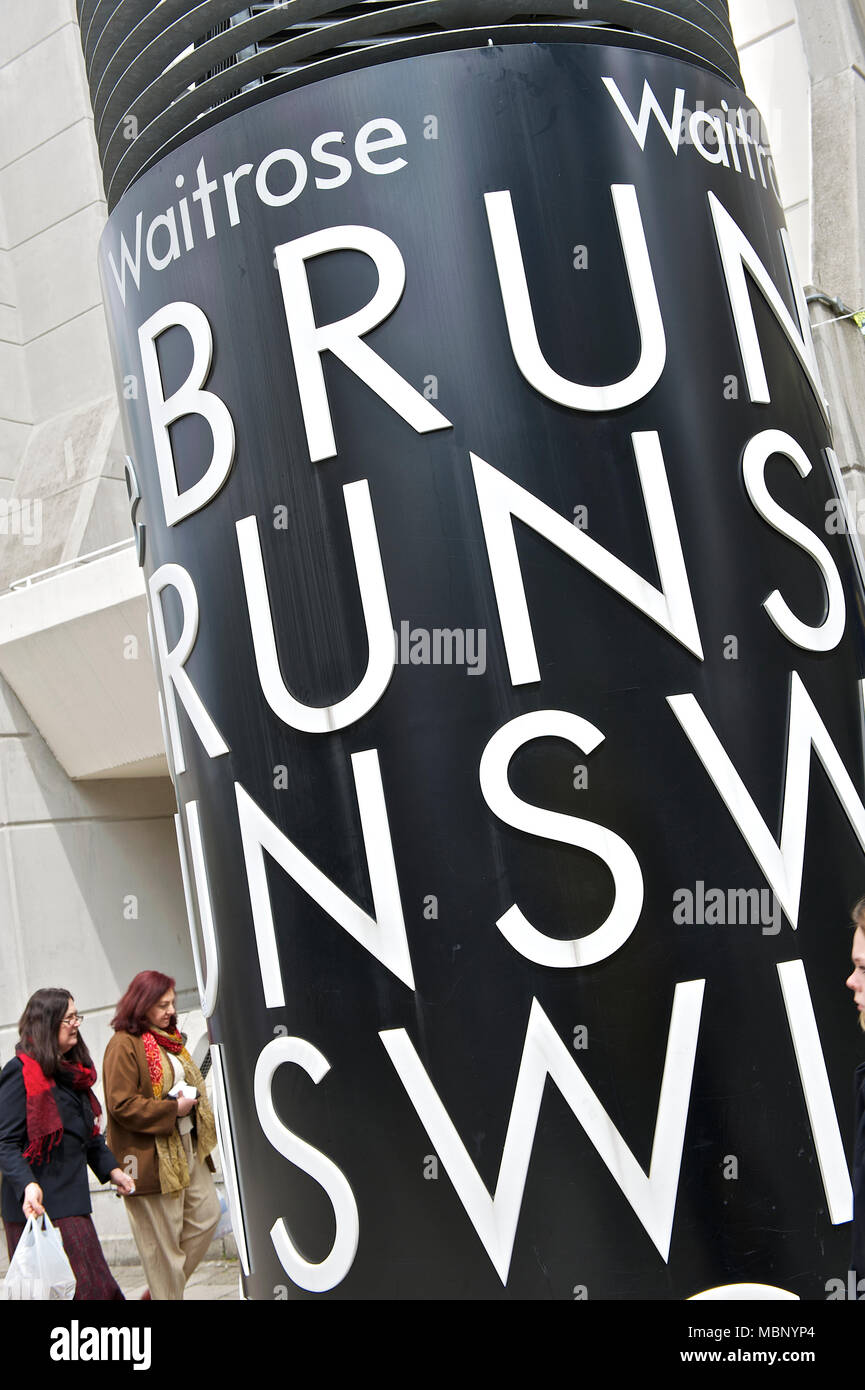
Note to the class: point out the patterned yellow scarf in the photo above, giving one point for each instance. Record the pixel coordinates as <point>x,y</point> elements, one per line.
<point>170,1153</point>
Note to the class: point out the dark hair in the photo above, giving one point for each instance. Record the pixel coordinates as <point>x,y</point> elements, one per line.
<point>39,1027</point>
<point>145,990</point>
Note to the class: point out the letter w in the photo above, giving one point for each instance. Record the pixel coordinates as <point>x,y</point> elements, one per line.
<point>648,106</point>
<point>126,261</point>
<point>652,1196</point>
<point>782,864</point>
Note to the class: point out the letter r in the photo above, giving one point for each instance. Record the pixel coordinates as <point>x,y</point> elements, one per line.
<point>343,337</point>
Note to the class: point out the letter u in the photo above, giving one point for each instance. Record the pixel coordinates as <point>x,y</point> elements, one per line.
<point>323,719</point>
<point>521,323</point>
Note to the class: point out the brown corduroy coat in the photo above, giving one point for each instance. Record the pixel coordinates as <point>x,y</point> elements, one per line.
<point>135,1116</point>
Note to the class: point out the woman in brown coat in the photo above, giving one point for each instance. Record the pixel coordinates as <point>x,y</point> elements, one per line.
<point>161,1127</point>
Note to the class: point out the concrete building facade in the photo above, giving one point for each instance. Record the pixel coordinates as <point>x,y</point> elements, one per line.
<point>90,886</point>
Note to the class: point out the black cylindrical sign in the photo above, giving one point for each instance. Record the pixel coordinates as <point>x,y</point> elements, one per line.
<point>510,638</point>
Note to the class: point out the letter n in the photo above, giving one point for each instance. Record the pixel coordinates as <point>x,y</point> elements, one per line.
<point>384,935</point>
<point>500,500</point>
<point>737,256</point>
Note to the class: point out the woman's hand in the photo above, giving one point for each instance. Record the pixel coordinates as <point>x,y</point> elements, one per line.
<point>185,1104</point>
<point>122,1181</point>
<point>32,1205</point>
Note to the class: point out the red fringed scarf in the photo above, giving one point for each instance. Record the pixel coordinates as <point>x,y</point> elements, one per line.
<point>172,1042</point>
<point>44,1126</point>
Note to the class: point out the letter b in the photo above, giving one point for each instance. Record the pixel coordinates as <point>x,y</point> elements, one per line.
<point>189,399</point>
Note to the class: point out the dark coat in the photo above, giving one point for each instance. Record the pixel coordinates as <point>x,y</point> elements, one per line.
<point>857,1259</point>
<point>63,1177</point>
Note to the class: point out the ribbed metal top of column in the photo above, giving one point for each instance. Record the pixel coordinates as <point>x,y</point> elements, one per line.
<point>160,70</point>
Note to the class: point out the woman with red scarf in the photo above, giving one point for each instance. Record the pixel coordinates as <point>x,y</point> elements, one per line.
<point>161,1123</point>
<point>49,1135</point>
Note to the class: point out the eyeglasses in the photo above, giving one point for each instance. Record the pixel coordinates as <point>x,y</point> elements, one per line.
<point>71,1019</point>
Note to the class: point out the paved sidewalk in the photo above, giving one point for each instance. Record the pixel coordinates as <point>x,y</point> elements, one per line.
<point>214,1280</point>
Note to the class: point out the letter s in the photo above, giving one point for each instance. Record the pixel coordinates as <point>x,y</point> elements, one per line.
<point>334,1267</point>
<point>568,830</point>
<point>824,636</point>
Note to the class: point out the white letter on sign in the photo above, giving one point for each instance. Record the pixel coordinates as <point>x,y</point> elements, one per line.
<point>826,635</point>
<point>323,719</point>
<point>737,256</point>
<point>652,1196</point>
<point>782,864</point>
<point>521,322</point>
<point>188,399</point>
<point>568,830</point>
<point>383,935</point>
<point>343,338</point>
<point>207,980</point>
<point>333,1269</point>
<point>818,1092</point>
<point>173,663</point>
<point>671,606</point>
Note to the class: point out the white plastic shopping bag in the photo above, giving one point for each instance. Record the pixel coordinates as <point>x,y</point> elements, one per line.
<point>39,1268</point>
<point>224,1227</point>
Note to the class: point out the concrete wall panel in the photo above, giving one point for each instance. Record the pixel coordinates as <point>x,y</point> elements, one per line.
<point>47,80</point>
<point>7,278</point>
<point>9,324</point>
<point>106,907</point>
<point>13,439</point>
<point>14,393</point>
<point>54,181</point>
<point>55,273</point>
<point>839,185</point>
<point>751,19</point>
<point>12,942</point>
<point>70,365</point>
<point>27,22</point>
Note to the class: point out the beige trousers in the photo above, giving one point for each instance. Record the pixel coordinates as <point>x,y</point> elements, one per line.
<point>173,1232</point>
